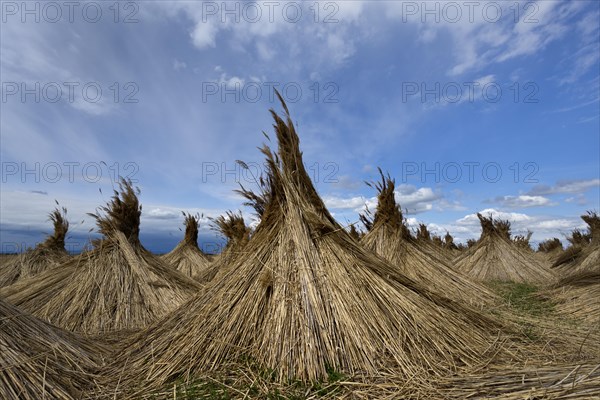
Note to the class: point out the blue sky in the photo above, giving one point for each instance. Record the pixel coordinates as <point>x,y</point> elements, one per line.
<point>471,106</point>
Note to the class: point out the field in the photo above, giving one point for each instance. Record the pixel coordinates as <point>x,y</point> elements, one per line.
<point>300,308</point>
<point>559,359</point>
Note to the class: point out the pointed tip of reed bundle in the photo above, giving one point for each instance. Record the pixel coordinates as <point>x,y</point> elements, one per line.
<point>286,167</point>
<point>232,226</point>
<point>191,223</point>
<point>388,212</point>
<point>491,226</point>
<point>593,221</point>
<point>449,242</point>
<point>122,213</point>
<point>46,254</point>
<point>356,235</point>
<point>523,240</point>
<point>56,241</point>
<point>423,233</point>
<point>550,245</point>
<point>579,238</point>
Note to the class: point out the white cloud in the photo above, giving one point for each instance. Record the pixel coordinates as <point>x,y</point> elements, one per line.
<point>159,213</point>
<point>542,226</point>
<point>410,199</point>
<point>232,82</point>
<point>588,119</point>
<point>341,203</point>
<point>583,60</point>
<point>472,220</point>
<point>579,199</point>
<point>49,56</point>
<point>427,35</point>
<point>204,34</point>
<point>537,27</point>
<point>554,225</point>
<point>478,40</point>
<point>276,34</point>
<point>523,201</point>
<point>368,168</point>
<point>100,107</point>
<point>566,186</point>
<point>179,65</point>
<point>416,200</point>
<point>577,106</point>
<point>339,47</point>
<point>484,80</point>
<point>587,55</point>
<point>445,204</point>
<point>588,26</point>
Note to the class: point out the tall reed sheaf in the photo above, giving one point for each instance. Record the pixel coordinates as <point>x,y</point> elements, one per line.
<point>304,298</point>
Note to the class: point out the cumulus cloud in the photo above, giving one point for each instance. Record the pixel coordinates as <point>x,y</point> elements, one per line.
<point>542,226</point>
<point>411,199</point>
<point>161,213</point>
<point>342,203</point>
<point>415,200</point>
<point>472,220</point>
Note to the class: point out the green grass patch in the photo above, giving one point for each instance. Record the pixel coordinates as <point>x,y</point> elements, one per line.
<point>523,298</point>
<point>248,380</point>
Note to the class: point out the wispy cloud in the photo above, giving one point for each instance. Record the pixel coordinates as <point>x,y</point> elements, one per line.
<point>179,65</point>
<point>522,201</point>
<point>565,186</point>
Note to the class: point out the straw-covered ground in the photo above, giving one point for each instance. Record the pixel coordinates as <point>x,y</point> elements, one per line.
<point>40,361</point>
<point>556,358</point>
